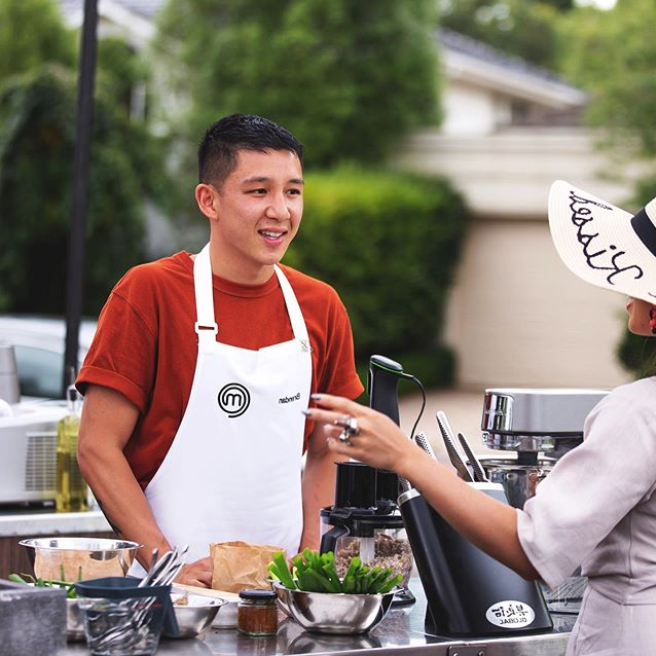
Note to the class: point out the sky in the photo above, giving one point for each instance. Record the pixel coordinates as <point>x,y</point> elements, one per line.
<point>602,4</point>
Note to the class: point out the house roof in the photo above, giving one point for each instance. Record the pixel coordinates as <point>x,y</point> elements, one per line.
<point>472,61</point>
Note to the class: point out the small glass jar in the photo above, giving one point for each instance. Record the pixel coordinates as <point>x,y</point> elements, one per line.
<point>257,613</point>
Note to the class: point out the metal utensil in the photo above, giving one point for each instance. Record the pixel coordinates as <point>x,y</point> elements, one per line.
<point>479,473</point>
<point>161,573</point>
<point>421,439</point>
<point>151,567</point>
<point>452,449</point>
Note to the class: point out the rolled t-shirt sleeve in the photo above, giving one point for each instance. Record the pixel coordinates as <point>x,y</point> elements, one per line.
<point>591,488</point>
<point>121,356</point>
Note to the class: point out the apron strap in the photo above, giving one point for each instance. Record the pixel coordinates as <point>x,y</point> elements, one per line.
<point>293,308</point>
<point>206,327</point>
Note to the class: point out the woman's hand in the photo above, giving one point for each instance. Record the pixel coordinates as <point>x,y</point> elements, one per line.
<point>379,442</point>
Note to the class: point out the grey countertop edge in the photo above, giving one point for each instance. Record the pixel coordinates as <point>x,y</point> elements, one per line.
<point>53,523</point>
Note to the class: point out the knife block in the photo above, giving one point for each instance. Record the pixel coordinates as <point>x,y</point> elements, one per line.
<point>468,592</point>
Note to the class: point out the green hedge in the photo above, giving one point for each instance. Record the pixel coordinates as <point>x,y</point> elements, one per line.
<point>389,243</point>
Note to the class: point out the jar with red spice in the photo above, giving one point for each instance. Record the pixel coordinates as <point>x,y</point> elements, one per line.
<point>257,613</point>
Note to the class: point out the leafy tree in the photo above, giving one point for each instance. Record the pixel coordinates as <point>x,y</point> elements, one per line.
<point>32,32</point>
<point>348,78</point>
<point>612,54</point>
<point>120,70</point>
<point>521,28</point>
<point>38,91</point>
<point>36,155</point>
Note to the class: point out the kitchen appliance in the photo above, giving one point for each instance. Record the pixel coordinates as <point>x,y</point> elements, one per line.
<point>28,452</point>
<point>469,593</point>
<point>538,426</point>
<point>532,421</point>
<point>365,520</point>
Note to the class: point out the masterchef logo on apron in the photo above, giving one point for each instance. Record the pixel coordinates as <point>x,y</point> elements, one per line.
<point>234,399</point>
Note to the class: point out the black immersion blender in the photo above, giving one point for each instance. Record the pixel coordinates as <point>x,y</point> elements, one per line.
<point>365,517</point>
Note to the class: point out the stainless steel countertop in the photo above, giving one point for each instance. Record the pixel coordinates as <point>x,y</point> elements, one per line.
<point>402,631</point>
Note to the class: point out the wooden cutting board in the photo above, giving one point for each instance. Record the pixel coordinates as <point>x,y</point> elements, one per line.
<point>222,594</point>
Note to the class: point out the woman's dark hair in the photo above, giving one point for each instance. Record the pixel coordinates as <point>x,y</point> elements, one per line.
<point>217,152</point>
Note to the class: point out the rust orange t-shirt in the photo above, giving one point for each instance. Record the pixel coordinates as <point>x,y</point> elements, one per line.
<point>146,347</point>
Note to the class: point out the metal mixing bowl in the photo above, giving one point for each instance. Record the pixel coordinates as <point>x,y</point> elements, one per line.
<point>337,613</point>
<point>196,615</point>
<point>79,559</point>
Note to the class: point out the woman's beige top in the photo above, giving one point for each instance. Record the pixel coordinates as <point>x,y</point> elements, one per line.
<point>597,509</point>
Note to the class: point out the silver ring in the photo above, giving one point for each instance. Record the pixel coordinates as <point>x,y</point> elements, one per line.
<point>350,426</point>
<point>345,438</point>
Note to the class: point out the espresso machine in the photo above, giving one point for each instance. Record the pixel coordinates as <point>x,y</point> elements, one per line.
<point>365,520</point>
<point>535,427</point>
<point>538,426</point>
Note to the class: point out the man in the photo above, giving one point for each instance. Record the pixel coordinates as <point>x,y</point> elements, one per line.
<point>192,430</point>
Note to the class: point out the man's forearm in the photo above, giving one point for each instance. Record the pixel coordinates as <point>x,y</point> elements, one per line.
<point>124,503</point>
<point>108,420</point>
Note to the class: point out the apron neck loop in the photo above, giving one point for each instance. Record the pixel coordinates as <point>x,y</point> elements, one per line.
<point>206,327</point>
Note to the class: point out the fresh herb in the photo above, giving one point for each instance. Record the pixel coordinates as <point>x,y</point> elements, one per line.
<point>315,572</point>
<point>28,579</point>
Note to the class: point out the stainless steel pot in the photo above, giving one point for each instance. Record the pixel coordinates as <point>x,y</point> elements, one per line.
<point>519,481</point>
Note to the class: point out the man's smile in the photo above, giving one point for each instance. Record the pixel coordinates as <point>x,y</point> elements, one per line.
<point>273,235</point>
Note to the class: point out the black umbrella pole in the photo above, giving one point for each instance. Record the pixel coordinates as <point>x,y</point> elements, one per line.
<point>80,194</point>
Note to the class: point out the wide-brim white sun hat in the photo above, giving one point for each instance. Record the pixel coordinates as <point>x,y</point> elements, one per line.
<point>603,244</point>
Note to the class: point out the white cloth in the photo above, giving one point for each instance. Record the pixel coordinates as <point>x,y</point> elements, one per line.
<point>597,509</point>
<point>233,471</point>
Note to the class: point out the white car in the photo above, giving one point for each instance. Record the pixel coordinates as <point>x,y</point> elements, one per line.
<point>39,344</point>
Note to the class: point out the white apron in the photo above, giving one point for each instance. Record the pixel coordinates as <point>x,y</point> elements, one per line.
<point>233,471</point>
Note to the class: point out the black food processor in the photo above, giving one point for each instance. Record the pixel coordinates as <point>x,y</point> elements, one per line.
<point>365,520</point>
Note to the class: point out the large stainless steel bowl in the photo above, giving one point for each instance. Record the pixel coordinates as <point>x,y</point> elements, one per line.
<point>79,559</point>
<point>337,613</point>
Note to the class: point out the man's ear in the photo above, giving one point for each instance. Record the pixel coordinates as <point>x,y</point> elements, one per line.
<point>206,199</point>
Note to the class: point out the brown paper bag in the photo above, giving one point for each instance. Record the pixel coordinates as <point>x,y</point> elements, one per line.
<point>241,565</point>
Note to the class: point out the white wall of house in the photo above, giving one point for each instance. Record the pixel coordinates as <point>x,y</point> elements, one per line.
<point>469,111</point>
<point>516,315</point>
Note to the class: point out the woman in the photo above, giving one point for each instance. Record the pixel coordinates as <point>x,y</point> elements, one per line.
<point>597,508</point>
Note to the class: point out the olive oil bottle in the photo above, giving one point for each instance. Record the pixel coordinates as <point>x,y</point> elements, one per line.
<point>72,492</point>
